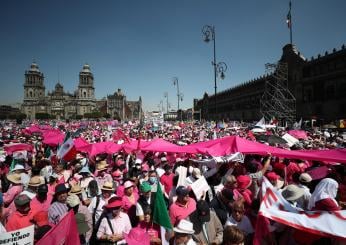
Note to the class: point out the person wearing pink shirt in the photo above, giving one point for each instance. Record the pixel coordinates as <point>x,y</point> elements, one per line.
<point>130,200</point>
<point>22,217</point>
<point>42,200</point>
<point>182,207</point>
<point>14,190</point>
<point>167,179</point>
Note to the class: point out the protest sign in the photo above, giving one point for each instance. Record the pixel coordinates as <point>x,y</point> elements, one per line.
<point>199,187</point>
<point>23,236</point>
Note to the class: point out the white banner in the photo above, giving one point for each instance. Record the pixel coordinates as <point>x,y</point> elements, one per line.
<point>23,236</point>
<point>275,207</point>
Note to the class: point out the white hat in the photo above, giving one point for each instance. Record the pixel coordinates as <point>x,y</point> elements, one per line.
<point>2,158</point>
<point>163,159</point>
<point>305,178</point>
<point>138,161</point>
<point>185,227</point>
<point>18,167</point>
<point>72,200</point>
<point>128,184</point>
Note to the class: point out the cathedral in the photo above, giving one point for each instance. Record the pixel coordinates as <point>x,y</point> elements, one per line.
<point>58,103</point>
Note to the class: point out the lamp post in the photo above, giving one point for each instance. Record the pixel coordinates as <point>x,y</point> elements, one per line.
<point>179,95</point>
<point>166,96</point>
<point>219,68</point>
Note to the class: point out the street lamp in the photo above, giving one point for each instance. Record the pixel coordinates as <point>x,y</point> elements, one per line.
<point>166,96</point>
<point>179,95</point>
<point>219,68</point>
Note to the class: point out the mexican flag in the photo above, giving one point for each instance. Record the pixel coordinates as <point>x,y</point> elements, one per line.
<point>160,213</point>
<point>67,151</point>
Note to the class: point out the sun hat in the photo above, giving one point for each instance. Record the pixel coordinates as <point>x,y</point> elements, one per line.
<point>117,173</point>
<point>292,192</point>
<point>72,200</point>
<point>145,168</point>
<point>75,189</point>
<point>18,167</point>
<point>107,186</point>
<point>184,227</point>
<point>182,191</point>
<point>14,178</point>
<point>114,202</point>
<point>137,236</point>
<point>243,181</point>
<point>41,218</point>
<point>61,188</point>
<point>102,166</point>
<point>138,161</point>
<point>145,187</point>
<point>305,178</point>
<point>128,184</point>
<point>35,181</point>
<point>21,200</point>
<point>81,223</point>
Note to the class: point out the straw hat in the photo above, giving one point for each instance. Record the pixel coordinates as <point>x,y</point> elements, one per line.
<point>35,181</point>
<point>75,189</point>
<point>292,192</point>
<point>14,178</point>
<point>102,166</point>
<point>107,186</point>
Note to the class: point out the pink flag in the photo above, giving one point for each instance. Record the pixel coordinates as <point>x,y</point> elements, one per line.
<point>65,232</point>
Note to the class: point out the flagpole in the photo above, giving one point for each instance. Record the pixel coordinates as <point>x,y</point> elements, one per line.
<point>290,24</point>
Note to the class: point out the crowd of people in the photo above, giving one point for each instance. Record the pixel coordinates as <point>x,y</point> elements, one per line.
<point>113,195</point>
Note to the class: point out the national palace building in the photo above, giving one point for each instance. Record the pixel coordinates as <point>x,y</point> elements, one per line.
<point>318,85</point>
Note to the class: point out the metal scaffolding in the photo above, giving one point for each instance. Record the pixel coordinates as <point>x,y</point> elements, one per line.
<point>277,101</point>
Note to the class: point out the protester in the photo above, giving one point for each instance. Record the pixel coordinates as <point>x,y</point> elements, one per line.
<point>22,217</point>
<point>115,223</point>
<point>59,207</point>
<point>183,233</point>
<point>207,226</point>
<point>183,206</point>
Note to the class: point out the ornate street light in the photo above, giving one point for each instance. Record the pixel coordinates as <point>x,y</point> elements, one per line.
<point>219,68</point>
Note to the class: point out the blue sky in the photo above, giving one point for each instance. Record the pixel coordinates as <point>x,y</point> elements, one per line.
<point>140,45</point>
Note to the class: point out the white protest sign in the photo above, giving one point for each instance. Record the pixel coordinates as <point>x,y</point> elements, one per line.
<point>23,236</point>
<point>290,139</point>
<point>199,187</point>
<point>182,171</point>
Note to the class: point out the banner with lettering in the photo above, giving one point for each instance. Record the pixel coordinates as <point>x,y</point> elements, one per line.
<point>23,236</point>
<point>276,208</point>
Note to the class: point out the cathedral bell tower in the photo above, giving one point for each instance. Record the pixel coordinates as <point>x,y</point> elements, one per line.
<point>86,91</point>
<point>34,91</point>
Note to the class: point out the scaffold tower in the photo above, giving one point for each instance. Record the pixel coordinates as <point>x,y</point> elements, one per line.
<point>277,100</point>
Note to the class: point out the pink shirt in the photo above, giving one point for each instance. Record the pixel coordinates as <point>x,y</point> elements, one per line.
<point>11,194</point>
<point>178,211</point>
<point>18,221</point>
<point>36,205</point>
<point>127,203</point>
<point>167,182</point>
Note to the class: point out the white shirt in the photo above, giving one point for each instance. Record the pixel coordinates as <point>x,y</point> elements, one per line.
<point>99,209</point>
<point>244,225</point>
<point>139,208</point>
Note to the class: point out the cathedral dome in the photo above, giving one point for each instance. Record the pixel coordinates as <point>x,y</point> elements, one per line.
<point>34,67</point>
<point>86,68</point>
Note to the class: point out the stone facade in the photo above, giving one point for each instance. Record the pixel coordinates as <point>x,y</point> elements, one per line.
<point>58,103</point>
<point>118,107</point>
<point>318,84</point>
